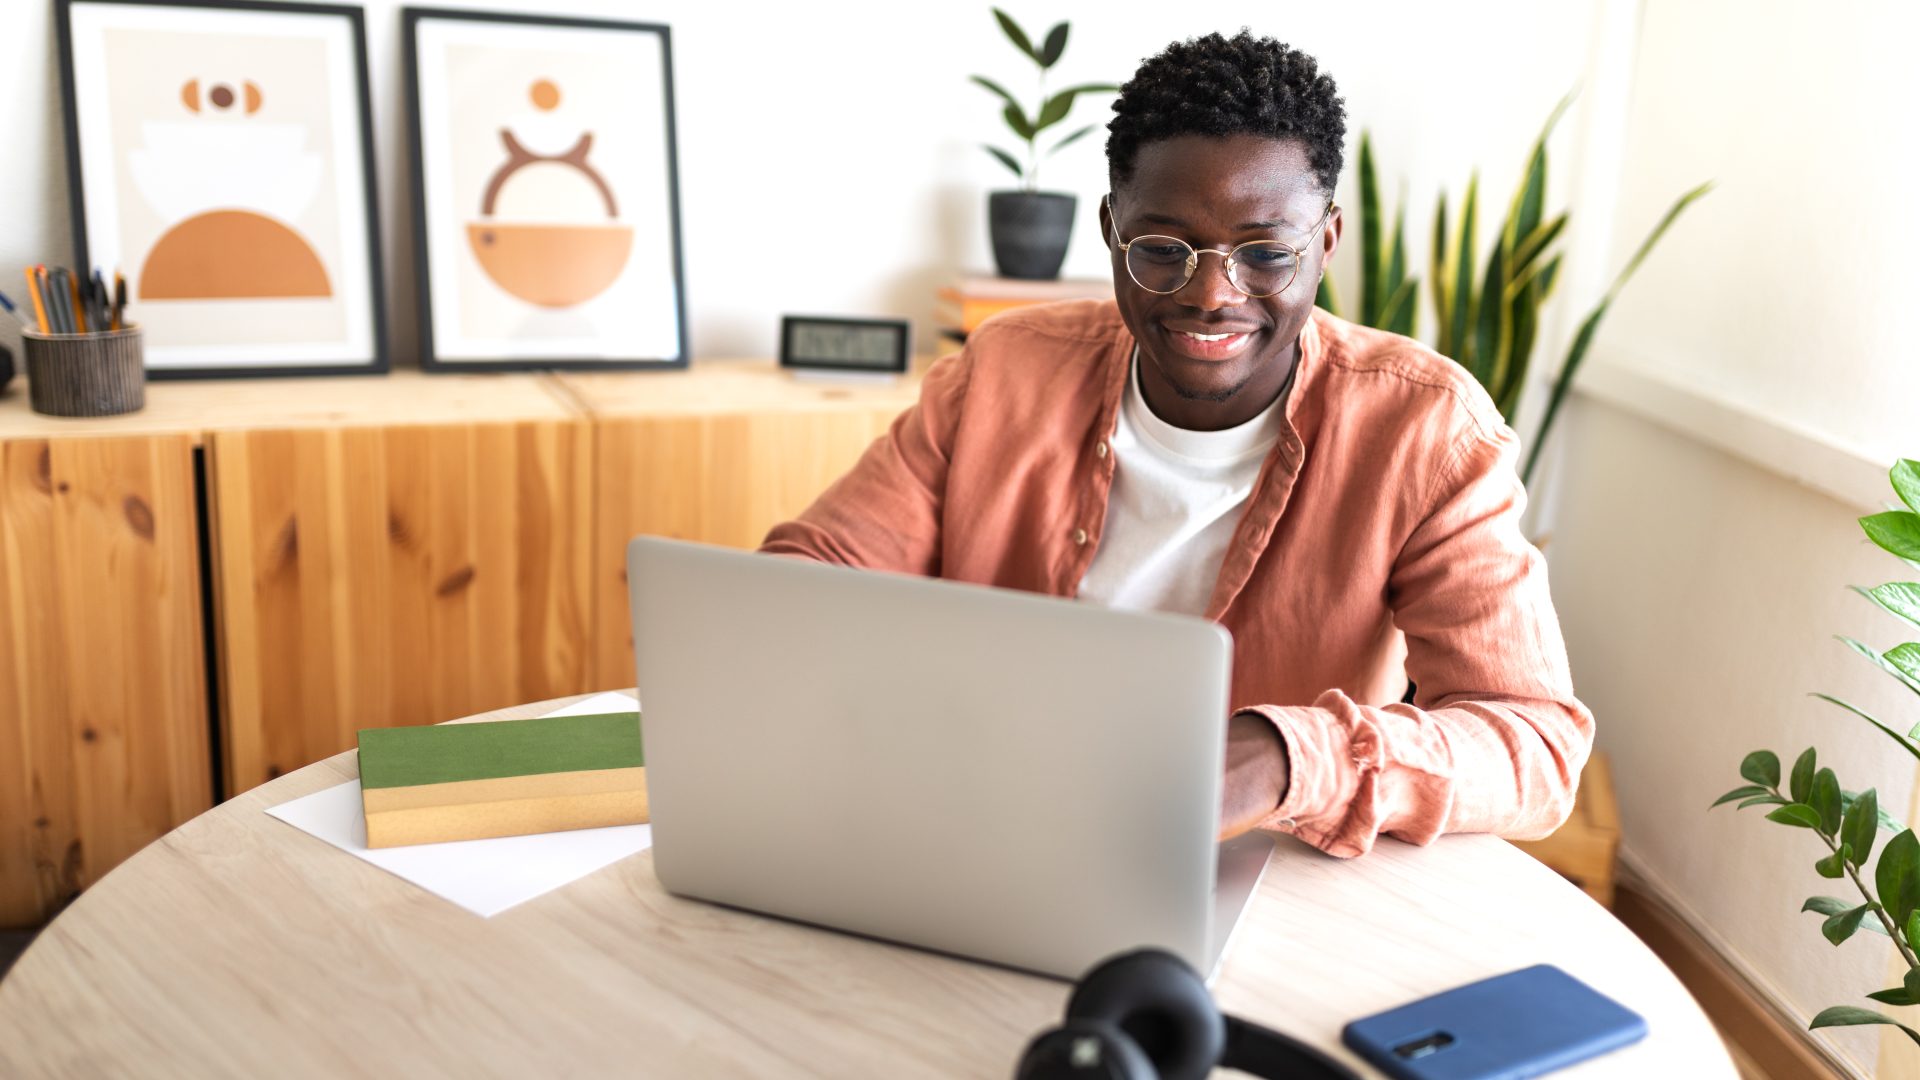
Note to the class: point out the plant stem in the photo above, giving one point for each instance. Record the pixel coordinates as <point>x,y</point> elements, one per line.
<point>1893,932</point>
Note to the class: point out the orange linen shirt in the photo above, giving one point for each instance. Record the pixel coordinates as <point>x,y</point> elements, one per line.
<point>1381,541</point>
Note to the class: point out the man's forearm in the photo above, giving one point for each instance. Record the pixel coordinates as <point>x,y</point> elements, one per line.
<point>1257,774</point>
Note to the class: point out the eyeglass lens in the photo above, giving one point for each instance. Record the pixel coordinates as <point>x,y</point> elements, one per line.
<point>1163,264</point>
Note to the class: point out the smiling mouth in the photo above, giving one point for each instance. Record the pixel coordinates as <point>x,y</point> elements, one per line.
<point>1199,346</point>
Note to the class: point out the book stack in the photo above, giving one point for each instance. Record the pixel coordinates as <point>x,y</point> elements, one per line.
<point>970,301</point>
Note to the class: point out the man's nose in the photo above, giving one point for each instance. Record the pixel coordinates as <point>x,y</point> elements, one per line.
<point>1210,288</point>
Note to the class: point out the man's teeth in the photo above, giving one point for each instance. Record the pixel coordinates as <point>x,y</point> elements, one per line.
<point>1209,337</point>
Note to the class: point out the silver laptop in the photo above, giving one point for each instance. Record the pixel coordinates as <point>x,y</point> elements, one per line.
<point>1014,778</point>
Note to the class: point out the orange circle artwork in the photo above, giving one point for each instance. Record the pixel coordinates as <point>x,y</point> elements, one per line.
<point>546,96</point>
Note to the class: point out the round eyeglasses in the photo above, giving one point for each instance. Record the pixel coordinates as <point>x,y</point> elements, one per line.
<point>1258,268</point>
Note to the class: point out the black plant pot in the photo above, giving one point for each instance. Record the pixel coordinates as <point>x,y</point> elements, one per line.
<point>6,368</point>
<point>1030,231</point>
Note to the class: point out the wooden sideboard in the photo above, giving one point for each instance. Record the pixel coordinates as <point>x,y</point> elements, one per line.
<point>228,584</point>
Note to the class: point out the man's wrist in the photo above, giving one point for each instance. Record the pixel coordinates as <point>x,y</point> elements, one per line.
<point>1258,772</point>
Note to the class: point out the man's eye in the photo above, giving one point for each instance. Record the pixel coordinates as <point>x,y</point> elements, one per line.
<point>1267,258</point>
<point>1165,253</point>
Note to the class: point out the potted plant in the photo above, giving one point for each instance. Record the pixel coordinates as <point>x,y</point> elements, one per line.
<point>1487,319</point>
<point>1848,824</point>
<point>1030,227</point>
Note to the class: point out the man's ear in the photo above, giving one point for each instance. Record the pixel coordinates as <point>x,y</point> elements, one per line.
<point>1330,238</point>
<point>1107,232</point>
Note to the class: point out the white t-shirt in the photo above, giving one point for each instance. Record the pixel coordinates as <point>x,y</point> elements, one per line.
<point>1177,497</point>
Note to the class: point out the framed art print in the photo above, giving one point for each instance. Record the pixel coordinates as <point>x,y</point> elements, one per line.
<point>220,158</point>
<point>545,198</point>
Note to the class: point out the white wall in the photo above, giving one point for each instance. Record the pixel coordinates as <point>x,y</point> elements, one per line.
<point>851,128</point>
<point>1748,393</point>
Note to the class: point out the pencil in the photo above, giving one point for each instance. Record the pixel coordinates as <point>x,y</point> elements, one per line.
<point>73,297</point>
<point>39,306</point>
<point>119,300</point>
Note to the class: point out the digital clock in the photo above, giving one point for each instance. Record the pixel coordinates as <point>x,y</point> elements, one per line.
<point>819,342</point>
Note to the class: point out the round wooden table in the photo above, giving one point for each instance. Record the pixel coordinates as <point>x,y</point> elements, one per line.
<point>239,946</point>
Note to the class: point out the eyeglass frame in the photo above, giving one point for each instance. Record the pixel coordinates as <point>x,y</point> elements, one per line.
<point>1194,253</point>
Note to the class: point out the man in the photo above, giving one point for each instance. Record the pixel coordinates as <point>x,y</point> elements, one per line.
<point>1341,499</point>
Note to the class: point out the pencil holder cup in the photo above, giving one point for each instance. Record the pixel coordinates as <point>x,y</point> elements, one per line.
<point>85,374</point>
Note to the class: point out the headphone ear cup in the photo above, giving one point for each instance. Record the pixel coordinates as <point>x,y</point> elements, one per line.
<point>1161,1005</point>
<point>1084,1050</point>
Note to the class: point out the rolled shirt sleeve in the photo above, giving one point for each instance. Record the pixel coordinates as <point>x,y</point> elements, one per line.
<point>1495,740</point>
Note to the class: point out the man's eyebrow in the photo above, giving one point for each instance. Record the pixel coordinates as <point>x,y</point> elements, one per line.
<point>1247,226</point>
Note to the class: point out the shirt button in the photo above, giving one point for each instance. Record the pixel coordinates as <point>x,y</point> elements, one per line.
<point>1285,823</point>
<point>1100,451</point>
<point>1079,536</point>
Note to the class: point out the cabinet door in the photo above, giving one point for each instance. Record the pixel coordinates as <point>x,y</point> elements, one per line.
<point>718,479</point>
<point>370,577</point>
<point>104,725</point>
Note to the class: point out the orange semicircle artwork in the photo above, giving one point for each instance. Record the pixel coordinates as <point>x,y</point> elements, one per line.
<point>232,255</point>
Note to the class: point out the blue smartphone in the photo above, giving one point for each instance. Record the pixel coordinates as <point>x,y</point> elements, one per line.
<point>1524,1023</point>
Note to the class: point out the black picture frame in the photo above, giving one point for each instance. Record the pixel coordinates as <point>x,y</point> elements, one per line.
<point>424,276</point>
<point>798,359</point>
<point>380,360</point>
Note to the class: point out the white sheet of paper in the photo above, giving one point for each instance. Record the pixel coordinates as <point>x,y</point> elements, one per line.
<point>484,876</point>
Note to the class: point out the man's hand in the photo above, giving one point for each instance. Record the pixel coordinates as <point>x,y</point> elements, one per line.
<point>1257,773</point>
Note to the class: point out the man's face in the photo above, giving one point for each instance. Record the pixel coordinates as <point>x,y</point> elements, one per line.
<point>1218,193</point>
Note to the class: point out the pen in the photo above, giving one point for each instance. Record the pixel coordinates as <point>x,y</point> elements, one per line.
<point>62,300</point>
<point>39,305</point>
<point>79,308</point>
<point>100,317</point>
<point>119,300</point>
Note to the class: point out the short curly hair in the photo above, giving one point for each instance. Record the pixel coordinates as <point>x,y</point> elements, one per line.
<point>1242,85</point>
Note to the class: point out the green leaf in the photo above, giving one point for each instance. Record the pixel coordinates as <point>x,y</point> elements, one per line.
<point>1897,878</point>
<point>1740,793</point>
<point>1826,799</point>
<point>1074,137</point>
<point>1437,271</point>
<point>1896,996</point>
<point>1839,928</point>
<point>1016,35</point>
<point>1327,298</point>
<point>1800,786</point>
<point>1464,275</point>
<point>1898,531</point>
<point>1907,659</point>
<point>1800,814</point>
<point>1055,45</point>
<point>1761,800</point>
<point>1833,905</point>
<point>1911,982</point>
<point>1397,315</point>
<point>1762,767</point>
<point>1018,121</point>
<point>1860,826</point>
<point>996,88</point>
<point>1005,159</point>
<point>1907,744</point>
<point>1834,865</point>
<point>1372,293</point>
<point>1882,662</point>
<point>1849,1016</point>
<point>1906,481</point>
<point>1054,110</point>
<point>1912,930</point>
<point>1527,253</point>
<point>1901,599</point>
<point>1582,341</point>
<point>1491,326</point>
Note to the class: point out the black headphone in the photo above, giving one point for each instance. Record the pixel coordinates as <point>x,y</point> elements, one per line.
<point>1146,1015</point>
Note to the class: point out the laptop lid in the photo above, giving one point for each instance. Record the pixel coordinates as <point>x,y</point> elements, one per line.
<point>1015,778</point>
